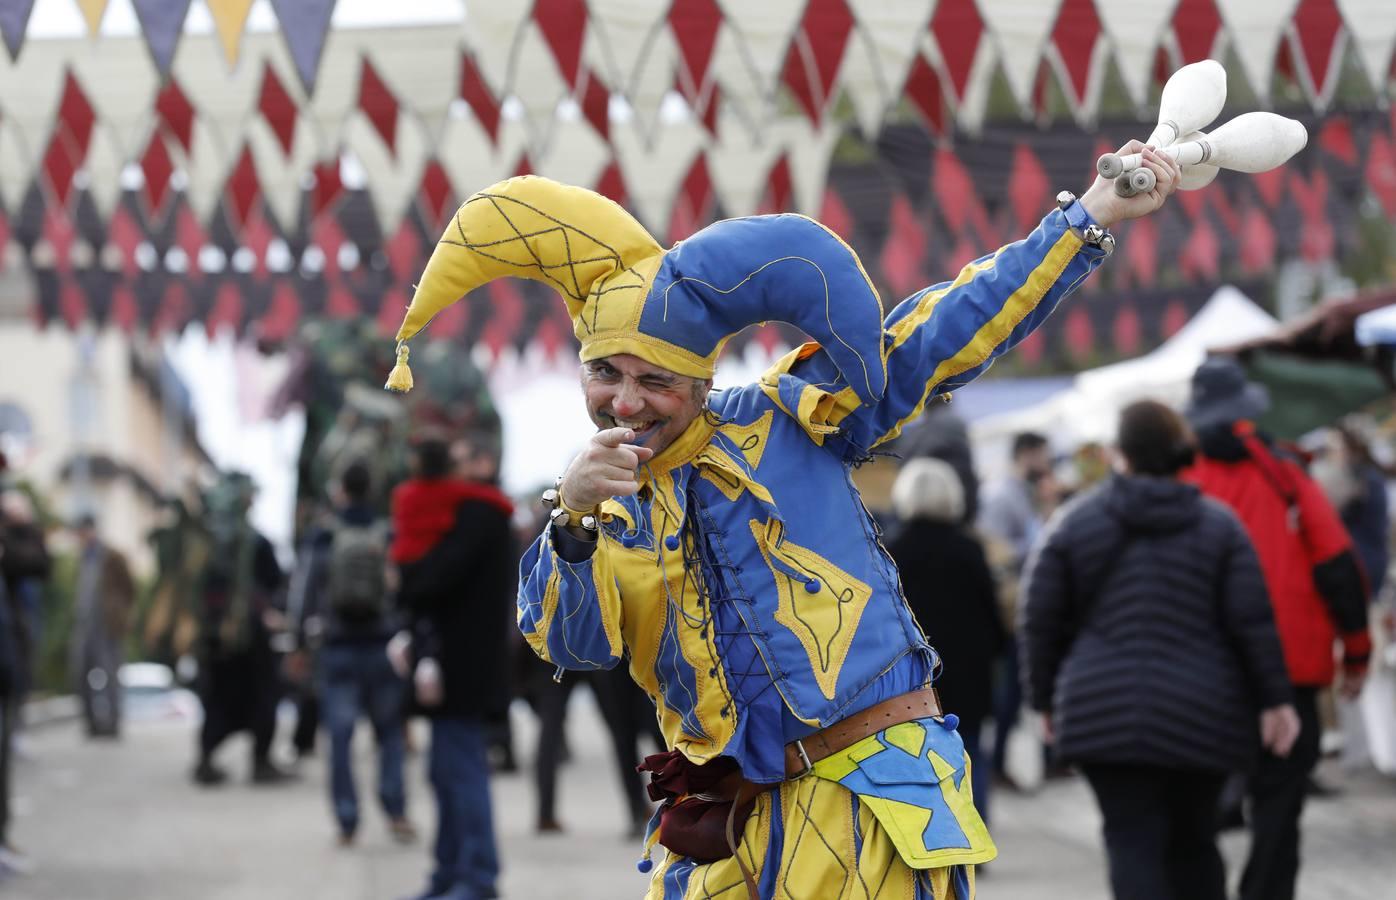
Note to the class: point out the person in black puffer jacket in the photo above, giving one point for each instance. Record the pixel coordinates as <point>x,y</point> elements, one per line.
<point>1149,647</point>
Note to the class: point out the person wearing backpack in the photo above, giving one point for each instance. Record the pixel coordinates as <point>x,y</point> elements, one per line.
<point>347,606</point>
<point>1149,647</point>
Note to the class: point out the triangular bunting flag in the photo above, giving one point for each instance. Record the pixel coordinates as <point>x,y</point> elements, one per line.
<point>1255,27</point>
<point>304,24</point>
<point>1316,39</point>
<point>229,17</point>
<point>92,12</point>
<point>812,63</point>
<point>880,55</point>
<point>563,24</point>
<point>1020,28</point>
<point>162,24</point>
<point>1135,30</point>
<point>1372,24</point>
<point>14,20</point>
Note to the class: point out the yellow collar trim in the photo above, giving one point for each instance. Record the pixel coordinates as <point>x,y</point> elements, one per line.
<point>685,447</point>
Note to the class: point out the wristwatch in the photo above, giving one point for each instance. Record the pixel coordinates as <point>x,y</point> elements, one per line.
<point>1079,221</point>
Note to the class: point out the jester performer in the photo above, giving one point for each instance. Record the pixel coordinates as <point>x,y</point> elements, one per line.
<point>714,541</point>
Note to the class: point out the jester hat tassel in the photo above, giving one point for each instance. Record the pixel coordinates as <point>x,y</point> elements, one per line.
<point>673,308</point>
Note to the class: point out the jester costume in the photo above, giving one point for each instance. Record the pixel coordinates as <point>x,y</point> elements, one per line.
<point>745,585</point>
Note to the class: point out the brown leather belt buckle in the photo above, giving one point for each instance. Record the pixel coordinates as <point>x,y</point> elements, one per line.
<point>804,760</point>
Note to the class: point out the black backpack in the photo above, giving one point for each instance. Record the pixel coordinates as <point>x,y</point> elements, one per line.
<point>358,586</point>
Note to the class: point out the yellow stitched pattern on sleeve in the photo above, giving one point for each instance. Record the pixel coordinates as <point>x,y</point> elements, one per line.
<point>994,332</point>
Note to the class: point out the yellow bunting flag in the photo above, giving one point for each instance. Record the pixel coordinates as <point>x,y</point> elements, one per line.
<point>92,11</point>
<point>229,17</point>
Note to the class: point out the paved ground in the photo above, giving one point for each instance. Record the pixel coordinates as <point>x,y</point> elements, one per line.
<point>120,822</point>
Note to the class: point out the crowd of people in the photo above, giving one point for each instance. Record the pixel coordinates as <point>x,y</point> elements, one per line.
<point>1168,620</point>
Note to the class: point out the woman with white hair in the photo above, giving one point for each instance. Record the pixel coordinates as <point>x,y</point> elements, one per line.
<point>950,589</point>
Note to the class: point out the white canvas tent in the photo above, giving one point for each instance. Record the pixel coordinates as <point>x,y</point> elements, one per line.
<point>1087,411</point>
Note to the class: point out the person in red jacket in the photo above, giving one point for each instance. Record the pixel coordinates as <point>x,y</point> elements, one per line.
<point>1317,590</point>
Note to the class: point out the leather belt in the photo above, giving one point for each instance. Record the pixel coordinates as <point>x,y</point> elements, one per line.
<point>801,755</point>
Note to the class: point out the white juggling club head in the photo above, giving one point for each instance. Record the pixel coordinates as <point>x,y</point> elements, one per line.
<point>1192,97</point>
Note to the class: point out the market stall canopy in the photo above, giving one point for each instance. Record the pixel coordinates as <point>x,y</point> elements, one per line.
<point>1089,409</point>
<point>1334,360</point>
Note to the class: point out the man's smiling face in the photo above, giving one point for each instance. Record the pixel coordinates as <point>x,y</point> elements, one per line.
<point>625,391</point>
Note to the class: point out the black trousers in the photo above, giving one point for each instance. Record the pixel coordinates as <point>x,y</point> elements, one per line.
<point>1277,792</point>
<point>1160,831</point>
<point>239,692</point>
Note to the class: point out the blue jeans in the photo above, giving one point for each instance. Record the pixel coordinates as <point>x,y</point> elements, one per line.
<point>466,859</point>
<point>355,679</point>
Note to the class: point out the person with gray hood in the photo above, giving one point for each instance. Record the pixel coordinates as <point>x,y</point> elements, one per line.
<point>1149,647</point>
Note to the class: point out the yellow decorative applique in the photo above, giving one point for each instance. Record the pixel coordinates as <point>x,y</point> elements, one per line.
<point>751,439</point>
<point>825,619</point>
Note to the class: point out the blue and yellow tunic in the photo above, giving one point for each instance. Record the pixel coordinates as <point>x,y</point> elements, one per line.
<point>747,588</point>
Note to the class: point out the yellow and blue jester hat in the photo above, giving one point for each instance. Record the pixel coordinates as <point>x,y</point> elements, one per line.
<point>674,308</point>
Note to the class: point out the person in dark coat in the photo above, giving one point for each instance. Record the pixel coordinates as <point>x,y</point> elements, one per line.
<point>239,679</point>
<point>455,552</point>
<point>950,588</point>
<point>1149,647</point>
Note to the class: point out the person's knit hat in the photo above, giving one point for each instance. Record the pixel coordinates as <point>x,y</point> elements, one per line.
<point>1221,394</point>
<point>674,308</point>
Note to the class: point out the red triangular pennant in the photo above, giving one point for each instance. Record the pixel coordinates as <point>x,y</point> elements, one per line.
<point>379,104</point>
<point>563,24</point>
<point>957,28</point>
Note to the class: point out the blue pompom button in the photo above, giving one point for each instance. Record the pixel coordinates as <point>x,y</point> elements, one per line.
<point>949,721</point>
<point>645,865</point>
<point>812,585</point>
<point>672,542</point>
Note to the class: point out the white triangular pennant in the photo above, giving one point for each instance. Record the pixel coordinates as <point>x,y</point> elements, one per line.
<point>741,89</point>
<point>654,174</point>
<point>491,33</point>
<point>393,178</point>
<point>740,164</point>
<point>765,29</point>
<point>105,160</point>
<point>1020,29</point>
<point>121,85</point>
<point>337,84</point>
<point>1135,30</point>
<point>29,94</point>
<point>809,150</point>
<point>1255,27</point>
<point>222,99</point>
<point>205,167</point>
<point>16,165</point>
<point>621,38</point>
<point>1372,24</point>
<point>422,68</point>
<point>281,176</point>
<point>880,52</point>
<point>577,155</point>
<point>653,82</point>
<point>540,86</point>
<point>470,158</point>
